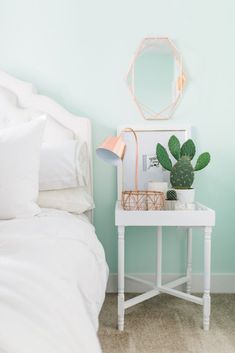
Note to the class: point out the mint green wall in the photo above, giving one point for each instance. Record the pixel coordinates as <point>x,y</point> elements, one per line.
<point>78,53</point>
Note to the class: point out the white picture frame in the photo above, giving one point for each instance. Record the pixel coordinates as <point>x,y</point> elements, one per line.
<point>149,168</point>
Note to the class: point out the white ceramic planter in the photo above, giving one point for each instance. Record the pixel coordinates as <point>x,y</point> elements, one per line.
<point>185,196</point>
<point>170,205</point>
<point>179,206</point>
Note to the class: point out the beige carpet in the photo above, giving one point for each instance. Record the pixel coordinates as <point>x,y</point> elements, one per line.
<point>165,324</point>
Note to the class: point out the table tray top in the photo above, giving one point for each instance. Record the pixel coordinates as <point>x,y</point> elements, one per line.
<point>201,216</point>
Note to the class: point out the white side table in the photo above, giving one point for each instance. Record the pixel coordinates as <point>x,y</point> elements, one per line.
<point>201,217</point>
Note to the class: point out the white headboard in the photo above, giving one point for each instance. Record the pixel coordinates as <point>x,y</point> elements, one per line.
<point>19,102</point>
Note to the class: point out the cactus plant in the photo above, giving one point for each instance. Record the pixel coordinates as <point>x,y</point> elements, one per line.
<point>171,195</point>
<point>182,172</point>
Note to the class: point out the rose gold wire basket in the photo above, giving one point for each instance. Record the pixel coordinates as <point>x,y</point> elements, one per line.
<point>135,200</point>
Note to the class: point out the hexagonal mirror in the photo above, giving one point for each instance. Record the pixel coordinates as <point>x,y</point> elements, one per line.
<point>155,78</point>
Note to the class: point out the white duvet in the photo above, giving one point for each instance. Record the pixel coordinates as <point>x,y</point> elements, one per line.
<point>53,276</point>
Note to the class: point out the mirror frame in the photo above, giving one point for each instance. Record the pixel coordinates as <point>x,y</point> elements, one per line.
<point>168,111</point>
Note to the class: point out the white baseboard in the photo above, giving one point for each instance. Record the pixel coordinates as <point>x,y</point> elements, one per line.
<point>220,282</point>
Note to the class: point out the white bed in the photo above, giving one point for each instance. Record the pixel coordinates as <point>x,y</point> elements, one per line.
<point>53,271</point>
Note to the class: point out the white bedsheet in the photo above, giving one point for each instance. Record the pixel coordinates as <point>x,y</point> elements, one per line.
<point>53,276</point>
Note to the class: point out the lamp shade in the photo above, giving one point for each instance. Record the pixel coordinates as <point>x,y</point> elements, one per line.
<point>112,150</point>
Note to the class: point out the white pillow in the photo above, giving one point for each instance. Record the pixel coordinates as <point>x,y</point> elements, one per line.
<point>76,200</point>
<point>19,160</point>
<point>63,166</point>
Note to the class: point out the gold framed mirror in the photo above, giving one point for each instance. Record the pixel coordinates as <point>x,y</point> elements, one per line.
<point>155,78</point>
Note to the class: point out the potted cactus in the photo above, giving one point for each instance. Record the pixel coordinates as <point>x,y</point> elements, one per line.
<point>171,199</point>
<point>182,172</point>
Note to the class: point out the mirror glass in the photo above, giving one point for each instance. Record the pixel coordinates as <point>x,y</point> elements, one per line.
<point>156,78</point>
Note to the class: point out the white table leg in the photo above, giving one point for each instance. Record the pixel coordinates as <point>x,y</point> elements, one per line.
<point>207,275</point>
<point>189,261</point>
<point>159,257</point>
<point>121,276</point>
